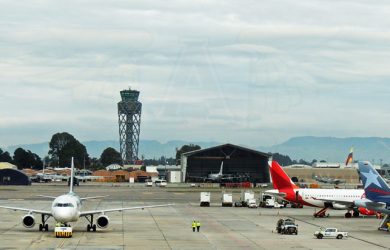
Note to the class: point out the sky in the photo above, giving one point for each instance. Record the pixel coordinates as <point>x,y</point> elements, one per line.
<point>247,72</point>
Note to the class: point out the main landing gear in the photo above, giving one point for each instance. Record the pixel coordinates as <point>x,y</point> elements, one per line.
<point>45,226</point>
<point>90,226</point>
<point>348,214</point>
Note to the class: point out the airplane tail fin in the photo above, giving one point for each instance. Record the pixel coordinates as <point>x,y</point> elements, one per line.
<point>349,158</point>
<point>375,187</point>
<point>280,179</point>
<point>221,169</point>
<point>71,177</point>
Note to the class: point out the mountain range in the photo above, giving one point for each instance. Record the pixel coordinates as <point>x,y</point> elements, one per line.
<point>330,149</point>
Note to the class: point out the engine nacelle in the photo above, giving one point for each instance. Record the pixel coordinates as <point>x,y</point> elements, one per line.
<point>102,221</point>
<point>28,221</point>
<point>365,211</point>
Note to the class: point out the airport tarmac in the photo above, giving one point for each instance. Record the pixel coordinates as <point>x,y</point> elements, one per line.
<point>170,227</point>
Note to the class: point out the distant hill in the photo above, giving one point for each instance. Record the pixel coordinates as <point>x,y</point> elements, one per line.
<point>308,148</point>
<point>149,148</point>
<point>334,149</point>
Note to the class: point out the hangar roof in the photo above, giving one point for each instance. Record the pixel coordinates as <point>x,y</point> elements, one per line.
<point>195,152</point>
<point>7,165</point>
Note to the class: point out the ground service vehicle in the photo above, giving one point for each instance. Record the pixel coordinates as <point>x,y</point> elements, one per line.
<point>238,204</point>
<point>269,201</point>
<point>204,199</point>
<point>330,233</point>
<point>246,196</point>
<point>227,199</point>
<point>149,183</point>
<point>286,226</point>
<point>63,232</point>
<point>251,203</point>
<point>160,183</point>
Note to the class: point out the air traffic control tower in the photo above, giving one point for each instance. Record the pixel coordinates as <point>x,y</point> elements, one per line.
<point>129,118</point>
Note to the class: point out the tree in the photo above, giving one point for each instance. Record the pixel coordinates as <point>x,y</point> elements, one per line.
<point>95,164</point>
<point>26,159</point>
<point>110,156</point>
<point>63,146</point>
<point>185,149</point>
<point>58,142</point>
<point>283,160</point>
<point>4,156</point>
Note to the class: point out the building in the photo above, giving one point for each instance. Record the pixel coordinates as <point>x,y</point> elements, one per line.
<point>237,162</point>
<point>9,176</point>
<point>4,165</point>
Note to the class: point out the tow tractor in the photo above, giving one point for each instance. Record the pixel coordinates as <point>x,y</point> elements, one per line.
<point>63,231</point>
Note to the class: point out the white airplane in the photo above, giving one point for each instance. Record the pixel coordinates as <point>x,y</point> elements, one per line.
<point>340,199</point>
<point>67,208</point>
<point>218,175</point>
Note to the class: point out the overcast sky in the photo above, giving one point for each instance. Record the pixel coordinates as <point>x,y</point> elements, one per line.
<point>245,72</point>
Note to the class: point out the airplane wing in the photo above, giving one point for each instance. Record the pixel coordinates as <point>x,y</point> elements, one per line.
<point>85,213</point>
<point>46,196</point>
<point>275,192</point>
<point>28,210</point>
<point>93,197</point>
<point>340,202</point>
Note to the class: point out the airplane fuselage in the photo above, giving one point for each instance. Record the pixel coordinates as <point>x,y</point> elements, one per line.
<point>322,197</point>
<point>66,208</point>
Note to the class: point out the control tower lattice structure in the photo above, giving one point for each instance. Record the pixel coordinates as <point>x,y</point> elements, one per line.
<point>129,119</point>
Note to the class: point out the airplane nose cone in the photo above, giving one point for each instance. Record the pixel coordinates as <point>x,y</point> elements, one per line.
<point>63,215</point>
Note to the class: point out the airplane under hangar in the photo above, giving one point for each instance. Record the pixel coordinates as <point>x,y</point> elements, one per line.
<point>233,163</point>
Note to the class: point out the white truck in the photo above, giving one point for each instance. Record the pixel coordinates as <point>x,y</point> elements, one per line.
<point>227,199</point>
<point>160,183</point>
<point>330,233</point>
<point>269,201</point>
<point>251,203</point>
<point>149,183</point>
<point>246,196</point>
<point>204,199</point>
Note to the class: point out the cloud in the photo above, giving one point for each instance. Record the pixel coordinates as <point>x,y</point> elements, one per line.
<point>252,72</point>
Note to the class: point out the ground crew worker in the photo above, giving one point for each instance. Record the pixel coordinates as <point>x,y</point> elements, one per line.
<point>388,226</point>
<point>197,226</point>
<point>193,226</point>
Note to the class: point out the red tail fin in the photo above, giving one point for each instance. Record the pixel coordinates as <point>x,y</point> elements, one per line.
<point>279,178</point>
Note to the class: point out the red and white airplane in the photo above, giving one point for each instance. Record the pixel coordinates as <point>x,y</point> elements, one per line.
<point>340,199</point>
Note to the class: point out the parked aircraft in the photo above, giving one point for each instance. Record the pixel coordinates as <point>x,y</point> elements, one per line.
<point>220,177</point>
<point>376,189</point>
<point>217,176</point>
<point>340,199</point>
<point>68,208</point>
<point>328,180</point>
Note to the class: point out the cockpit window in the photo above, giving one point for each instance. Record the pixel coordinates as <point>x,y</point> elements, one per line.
<point>63,205</point>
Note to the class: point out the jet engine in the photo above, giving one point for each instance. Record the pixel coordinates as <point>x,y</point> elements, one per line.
<point>28,221</point>
<point>102,221</point>
<point>365,211</point>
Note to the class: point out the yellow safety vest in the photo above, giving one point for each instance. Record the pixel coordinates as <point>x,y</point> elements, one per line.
<point>193,224</point>
<point>198,224</point>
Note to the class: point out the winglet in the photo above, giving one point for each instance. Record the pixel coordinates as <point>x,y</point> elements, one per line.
<point>280,179</point>
<point>375,187</point>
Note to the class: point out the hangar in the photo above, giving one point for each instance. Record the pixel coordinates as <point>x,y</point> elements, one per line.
<point>10,176</point>
<point>237,161</point>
